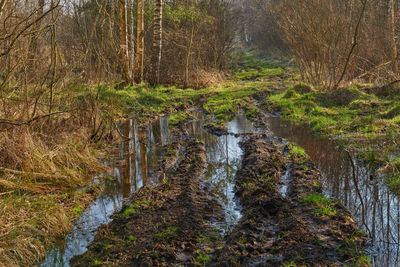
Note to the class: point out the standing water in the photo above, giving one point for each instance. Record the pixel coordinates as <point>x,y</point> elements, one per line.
<point>135,164</point>
<point>351,182</point>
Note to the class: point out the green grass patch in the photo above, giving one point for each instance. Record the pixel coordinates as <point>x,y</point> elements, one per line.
<point>351,112</point>
<point>136,207</point>
<point>201,258</point>
<point>294,149</point>
<point>168,232</point>
<point>177,119</point>
<point>324,206</point>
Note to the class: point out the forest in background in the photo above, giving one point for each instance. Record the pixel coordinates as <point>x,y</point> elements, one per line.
<point>332,42</point>
<point>48,45</point>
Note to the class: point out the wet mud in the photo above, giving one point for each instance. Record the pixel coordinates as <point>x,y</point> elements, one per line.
<point>171,224</point>
<point>276,230</point>
<point>161,225</point>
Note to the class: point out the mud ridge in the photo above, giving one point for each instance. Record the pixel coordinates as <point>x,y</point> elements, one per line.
<point>276,230</point>
<point>163,225</point>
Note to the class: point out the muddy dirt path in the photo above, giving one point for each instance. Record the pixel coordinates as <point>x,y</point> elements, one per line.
<point>162,224</point>
<point>172,224</point>
<point>278,230</point>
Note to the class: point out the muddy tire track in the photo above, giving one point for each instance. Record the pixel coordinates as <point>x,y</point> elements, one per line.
<point>161,225</point>
<point>169,225</point>
<point>277,230</point>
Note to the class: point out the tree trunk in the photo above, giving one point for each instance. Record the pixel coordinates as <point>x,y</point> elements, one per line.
<point>2,5</point>
<point>157,42</point>
<point>139,59</point>
<point>53,56</point>
<point>123,41</point>
<point>132,43</point>
<point>188,54</point>
<point>394,43</point>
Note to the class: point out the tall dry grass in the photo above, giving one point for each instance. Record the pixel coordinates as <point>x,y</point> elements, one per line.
<point>41,167</point>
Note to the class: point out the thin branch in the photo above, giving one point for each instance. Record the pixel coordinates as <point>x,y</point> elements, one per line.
<point>15,123</point>
<point>7,51</point>
<point>354,45</point>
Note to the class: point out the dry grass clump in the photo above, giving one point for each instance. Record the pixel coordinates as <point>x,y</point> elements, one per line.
<point>39,178</point>
<point>203,78</point>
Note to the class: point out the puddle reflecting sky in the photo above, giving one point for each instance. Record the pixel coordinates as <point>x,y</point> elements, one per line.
<point>224,157</point>
<point>135,164</point>
<point>366,196</point>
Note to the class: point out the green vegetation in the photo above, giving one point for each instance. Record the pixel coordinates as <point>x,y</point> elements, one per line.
<point>201,258</point>
<point>253,67</point>
<point>252,113</point>
<point>178,118</point>
<point>132,238</point>
<point>290,264</point>
<point>171,230</point>
<point>357,115</point>
<point>268,181</point>
<point>324,206</point>
<point>296,150</point>
<point>227,101</point>
<point>349,111</point>
<point>136,207</point>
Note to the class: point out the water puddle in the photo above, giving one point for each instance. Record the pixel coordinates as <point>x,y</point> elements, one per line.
<point>136,163</point>
<point>286,178</point>
<point>224,157</point>
<point>355,185</point>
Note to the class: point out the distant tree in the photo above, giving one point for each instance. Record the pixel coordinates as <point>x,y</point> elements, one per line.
<point>393,33</point>
<point>157,41</point>
<point>2,5</point>
<point>123,41</point>
<point>139,58</point>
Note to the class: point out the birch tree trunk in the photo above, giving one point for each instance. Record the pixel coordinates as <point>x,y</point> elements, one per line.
<point>394,43</point>
<point>157,41</point>
<point>139,59</point>
<point>132,42</point>
<point>2,5</point>
<point>123,41</point>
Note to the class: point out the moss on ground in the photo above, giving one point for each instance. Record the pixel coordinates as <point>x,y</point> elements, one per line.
<point>348,111</point>
<point>350,114</point>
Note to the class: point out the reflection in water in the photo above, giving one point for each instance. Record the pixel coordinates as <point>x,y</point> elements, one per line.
<point>135,164</point>
<point>137,156</point>
<point>354,184</point>
<point>224,157</point>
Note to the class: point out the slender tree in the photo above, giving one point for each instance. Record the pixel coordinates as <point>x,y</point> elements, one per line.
<point>53,55</point>
<point>157,41</point>
<point>123,40</point>
<point>132,42</point>
<point>139,59</point>
<point>393,28</point>
<point>2,5</point>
